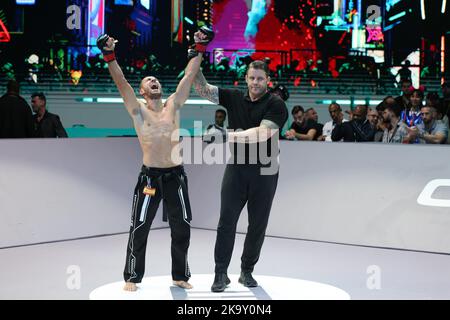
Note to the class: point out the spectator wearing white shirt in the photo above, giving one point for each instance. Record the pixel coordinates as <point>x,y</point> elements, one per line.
<point>337,117</point>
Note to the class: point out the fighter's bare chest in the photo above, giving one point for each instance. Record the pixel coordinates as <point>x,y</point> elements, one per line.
<point>159,124</point>
<point>164,117</point>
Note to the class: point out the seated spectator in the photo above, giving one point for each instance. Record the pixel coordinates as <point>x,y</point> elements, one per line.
<point>219,119</point>
<point>311,114</point>
<point>337,117</point>
<point>395,131</point>
<point>358,129</point>
<point>372,116</point>
<point>301,129</point>
<point>377,123</point>
<point>387,101</point>
<point>430,130</point>
<point>16,119</point>
<point>46,124</point>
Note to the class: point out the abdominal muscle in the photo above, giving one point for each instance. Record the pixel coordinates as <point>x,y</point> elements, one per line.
<point>160,144</point>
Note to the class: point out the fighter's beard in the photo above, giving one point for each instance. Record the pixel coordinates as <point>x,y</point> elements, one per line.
<point>155,96</point>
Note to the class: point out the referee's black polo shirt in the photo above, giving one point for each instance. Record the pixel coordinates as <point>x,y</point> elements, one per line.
<point>245,114</point>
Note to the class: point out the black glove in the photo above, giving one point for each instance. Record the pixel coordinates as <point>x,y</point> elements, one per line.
<point>108,55</point>
<point>200,44</point>
<point>192,53</point>
<point>215,134</point>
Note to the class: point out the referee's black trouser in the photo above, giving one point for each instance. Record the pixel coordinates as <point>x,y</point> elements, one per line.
<point>241,184</point>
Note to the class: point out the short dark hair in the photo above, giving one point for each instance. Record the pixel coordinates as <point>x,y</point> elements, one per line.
<point>258,64</point>
<point>419,92</point>
<point>433,109</point>
<point>13,86</point>
<point>335,104</point>
<point>296,109</point>
<point>40,95</point>
<point>222,111</point>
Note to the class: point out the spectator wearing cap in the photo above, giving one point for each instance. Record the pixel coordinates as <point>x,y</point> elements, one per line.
<point>46,124</point>
<point>281,91</point>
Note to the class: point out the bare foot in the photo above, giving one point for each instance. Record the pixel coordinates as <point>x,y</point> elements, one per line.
<point>183,284</point>
<point>130,286</point>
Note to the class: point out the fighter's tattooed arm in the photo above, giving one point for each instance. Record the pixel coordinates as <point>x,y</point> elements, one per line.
<point>205,90</point>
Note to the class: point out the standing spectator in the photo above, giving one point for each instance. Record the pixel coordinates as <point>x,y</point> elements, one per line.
<point>16,119</point>
<point>46,124</point>
<point>404,72</point>
<point>403,100</point>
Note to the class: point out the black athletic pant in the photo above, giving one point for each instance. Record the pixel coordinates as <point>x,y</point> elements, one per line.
<point>154,184</point>
<point>241,184</point>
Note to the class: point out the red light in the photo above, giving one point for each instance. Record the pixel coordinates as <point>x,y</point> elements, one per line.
<point>4,34</point>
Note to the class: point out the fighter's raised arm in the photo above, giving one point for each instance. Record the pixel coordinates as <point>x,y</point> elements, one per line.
<point>107,44</point>
<point>202,38</point>
<point>204,89</point>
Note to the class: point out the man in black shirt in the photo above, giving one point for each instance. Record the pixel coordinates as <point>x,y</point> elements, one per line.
<point>16,119</point>
<point>301,128</point>
<point>46,124</point>
<point>358,129</point>
<point>403,100</point>
<point>260,115</point>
